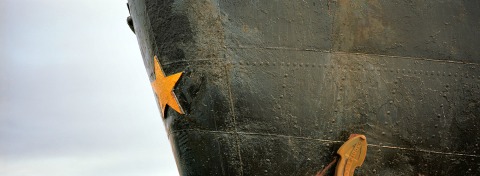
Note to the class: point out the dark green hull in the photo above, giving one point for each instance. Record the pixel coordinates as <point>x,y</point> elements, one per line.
<point>275,87</point>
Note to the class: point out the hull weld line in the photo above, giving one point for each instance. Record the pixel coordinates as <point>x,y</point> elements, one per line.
<point>326,141</point>
<point>348,53</point>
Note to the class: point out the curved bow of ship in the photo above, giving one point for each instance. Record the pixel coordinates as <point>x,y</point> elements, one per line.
<point>276,87</point>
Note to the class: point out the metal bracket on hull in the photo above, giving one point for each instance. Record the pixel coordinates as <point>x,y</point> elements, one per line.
<point>352,154</point>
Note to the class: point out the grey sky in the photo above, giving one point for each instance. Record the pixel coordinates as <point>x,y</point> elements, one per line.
<point>74,95</point>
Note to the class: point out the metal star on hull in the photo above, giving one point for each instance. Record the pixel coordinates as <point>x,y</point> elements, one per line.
<point>163,87</point>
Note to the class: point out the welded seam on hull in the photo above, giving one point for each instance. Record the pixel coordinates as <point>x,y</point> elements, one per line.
<point>196,60</point>
<point>213,62</point>
<point>232,107</point>
<point>332,26</point>
<point>326,141</point>
<point>340,52</point>
<point>422,150</point>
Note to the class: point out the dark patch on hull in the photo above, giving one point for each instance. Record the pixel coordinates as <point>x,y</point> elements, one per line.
<point>170,29</point>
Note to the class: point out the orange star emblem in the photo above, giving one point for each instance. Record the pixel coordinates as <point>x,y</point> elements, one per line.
<point>163,87</point>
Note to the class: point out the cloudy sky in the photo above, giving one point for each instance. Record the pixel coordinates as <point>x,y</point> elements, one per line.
<point>74,94</point>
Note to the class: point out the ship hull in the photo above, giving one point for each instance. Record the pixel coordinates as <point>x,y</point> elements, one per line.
<point>275,88</point>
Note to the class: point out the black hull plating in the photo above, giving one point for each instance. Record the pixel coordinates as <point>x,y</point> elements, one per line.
<point>275,87</point>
